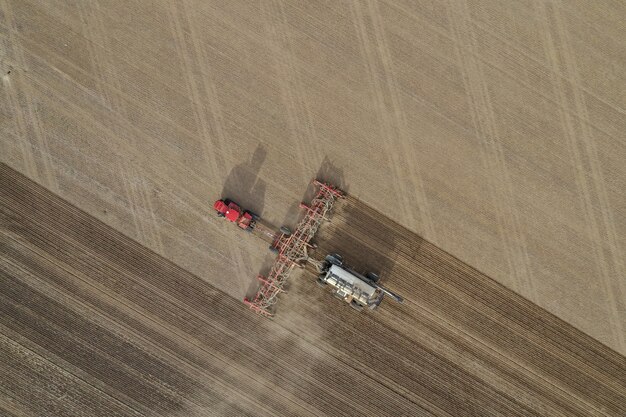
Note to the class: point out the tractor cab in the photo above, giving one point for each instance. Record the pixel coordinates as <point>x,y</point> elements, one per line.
<point>228,209</point>
<point>233,213</point>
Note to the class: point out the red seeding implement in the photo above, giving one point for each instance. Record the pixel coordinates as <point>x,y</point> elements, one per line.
<point>292,249</point>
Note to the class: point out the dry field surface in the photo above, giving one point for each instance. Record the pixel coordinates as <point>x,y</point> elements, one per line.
<point>493,129</point>
<point>94,324</point>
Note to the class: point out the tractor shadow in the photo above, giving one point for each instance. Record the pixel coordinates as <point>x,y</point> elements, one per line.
<point>244,185</point>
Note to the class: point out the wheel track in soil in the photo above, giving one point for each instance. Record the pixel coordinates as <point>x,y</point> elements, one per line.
<point>520,322</point>
<point>478,290</point>
<point>583,366</point>
<point>198,297</point>
<point>256,354</point>
<point>150,313</point>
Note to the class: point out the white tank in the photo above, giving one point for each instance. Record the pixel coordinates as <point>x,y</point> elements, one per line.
<point>351,286</point>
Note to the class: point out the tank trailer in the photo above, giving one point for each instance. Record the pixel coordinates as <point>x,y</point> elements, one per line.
<point>350,286</point>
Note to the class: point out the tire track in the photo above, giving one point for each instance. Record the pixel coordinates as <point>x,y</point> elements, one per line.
<point>388,126</point>
<point>193,310</point>
<point>98,67</point>
<point>462,345</point>
<point>30,165</point>
<point>290,87</point>
<point>559,359</point>
<point>588,174</point>
<point>399,120</point>
<point>32,115</point>
<point>493,156</point>
<point>179,20</point>
<point>96,27</point>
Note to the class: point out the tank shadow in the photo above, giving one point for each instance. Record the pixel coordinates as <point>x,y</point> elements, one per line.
<point>361,236</point>
<point>243,184</point>
<point>366,241</point>
<point>330,173</point>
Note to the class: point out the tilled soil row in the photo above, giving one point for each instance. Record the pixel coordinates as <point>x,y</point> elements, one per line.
<point>457,277</point>
<point>444,365</point>
<point>409,366</point>
<point>163,305</point>
<point>429,269</point>
<point>563,361</point>
<point>125,325</point>
<point>464,282</point>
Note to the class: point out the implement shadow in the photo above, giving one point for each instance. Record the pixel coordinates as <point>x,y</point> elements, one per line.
<point>328,173</point>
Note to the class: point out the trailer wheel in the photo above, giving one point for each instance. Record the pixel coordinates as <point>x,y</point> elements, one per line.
<point>356,306</point>
<point>320,283</point>
<point>273,249</point>
<point>374,277</point>
<point>285,230</point>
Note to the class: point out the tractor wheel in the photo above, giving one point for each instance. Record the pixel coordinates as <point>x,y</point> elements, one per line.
<point>285,230</point>
<point>273,249</point>
<point>374,277</point>
<point>356,306</point>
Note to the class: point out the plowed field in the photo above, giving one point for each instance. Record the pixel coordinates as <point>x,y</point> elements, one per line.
<point>493,129</point>
<point>93,323</point>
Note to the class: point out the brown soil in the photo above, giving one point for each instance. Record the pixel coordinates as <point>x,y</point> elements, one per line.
<point>494,129</point>
<point>93,323</point>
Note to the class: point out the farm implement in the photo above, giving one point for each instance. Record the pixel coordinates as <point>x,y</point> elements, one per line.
<point>292,250</point>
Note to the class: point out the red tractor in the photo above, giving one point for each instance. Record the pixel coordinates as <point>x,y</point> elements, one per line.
<point>233,213</point>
